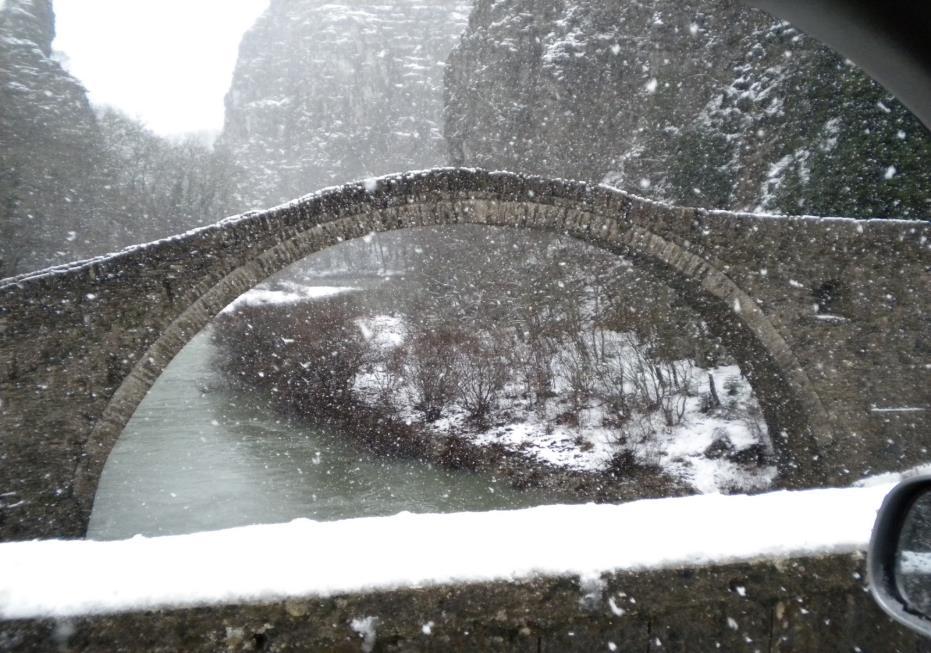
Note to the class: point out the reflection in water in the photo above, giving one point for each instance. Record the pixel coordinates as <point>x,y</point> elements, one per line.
<point>198,456</point>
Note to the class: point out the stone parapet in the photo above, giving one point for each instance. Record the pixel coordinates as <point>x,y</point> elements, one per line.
<point>801,604</point>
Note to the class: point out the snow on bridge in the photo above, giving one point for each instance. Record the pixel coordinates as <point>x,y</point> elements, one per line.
<point>307,559</point>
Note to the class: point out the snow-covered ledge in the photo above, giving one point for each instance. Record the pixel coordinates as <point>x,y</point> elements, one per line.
<point>305,559</point>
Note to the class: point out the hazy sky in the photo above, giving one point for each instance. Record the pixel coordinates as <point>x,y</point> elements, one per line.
<point>166,62</point>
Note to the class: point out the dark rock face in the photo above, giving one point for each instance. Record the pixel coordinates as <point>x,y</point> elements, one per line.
<point>30,20</point>
<point>721,447</point>
<point>327,92</point>
<point>48,136</point>
<point>698,103</point>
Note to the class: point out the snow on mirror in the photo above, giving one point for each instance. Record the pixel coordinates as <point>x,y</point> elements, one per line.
<point>913,557</point>
<point>436,370</point>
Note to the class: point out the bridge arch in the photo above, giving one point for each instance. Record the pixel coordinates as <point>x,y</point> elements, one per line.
<point>154,298</point>
<point>597,216</point>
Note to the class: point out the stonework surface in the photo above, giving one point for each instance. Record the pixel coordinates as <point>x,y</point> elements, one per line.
<point>828,317</point>
<point>816,604</point>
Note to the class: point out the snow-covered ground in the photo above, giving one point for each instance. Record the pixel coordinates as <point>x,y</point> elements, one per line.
<point>305,558</point>
<point>286,292</point>
<point>383,331</point>
<point>683,447</point>
<point>590,445</point>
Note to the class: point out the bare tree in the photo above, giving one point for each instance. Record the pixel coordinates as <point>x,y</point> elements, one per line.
<point>307,355</point>
<point>578,370</point>
<point>387,373</point>
<point>659,384</point>
<point>610,375</point>
<point>483,371</point>
<point>431,370</point>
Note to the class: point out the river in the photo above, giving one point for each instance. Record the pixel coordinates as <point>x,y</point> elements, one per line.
<point>199,456</point>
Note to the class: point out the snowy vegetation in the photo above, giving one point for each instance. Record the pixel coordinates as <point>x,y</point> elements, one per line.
<point>76,180</point>
<point>584,367</point>
<point>573,408</point>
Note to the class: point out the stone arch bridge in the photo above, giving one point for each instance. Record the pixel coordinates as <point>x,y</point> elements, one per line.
<point>829,318</point>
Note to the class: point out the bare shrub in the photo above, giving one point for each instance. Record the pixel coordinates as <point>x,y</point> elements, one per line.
<point>430,366</point>
<point>387,373</point>
<point>710,400</point>
<point>639,431</point>
<point>756,423</point>
<point>610,374</point>
<point>732,385</point>
<point>650,453</point>
<point>675,379</point>
<point>660,384</point>
<point>459,453</point>
<point>306,354</point>
<point>483,371</point>
<point>532,354</point>
<point>626,462</point>
<point>578,370</point>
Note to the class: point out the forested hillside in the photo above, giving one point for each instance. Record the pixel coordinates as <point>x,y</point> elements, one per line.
<point>48,138</point>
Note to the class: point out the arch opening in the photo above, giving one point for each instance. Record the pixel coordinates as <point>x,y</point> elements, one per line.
<point>725,325</point>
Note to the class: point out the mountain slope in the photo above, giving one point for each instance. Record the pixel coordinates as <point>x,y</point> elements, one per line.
<point>48,136</point>
<point>700,103</point>
<point>326,92</point>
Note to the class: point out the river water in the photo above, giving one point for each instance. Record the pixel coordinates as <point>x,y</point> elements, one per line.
<point>199,456</point>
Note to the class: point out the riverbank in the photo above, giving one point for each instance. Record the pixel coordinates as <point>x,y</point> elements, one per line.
<point>638,428</point>
<point>385,435</point>
<point>316,356</point>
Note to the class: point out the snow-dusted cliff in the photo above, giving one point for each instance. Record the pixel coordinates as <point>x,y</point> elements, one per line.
<point>47,139</point>
<point>703,103</point>
<point>325,92</point>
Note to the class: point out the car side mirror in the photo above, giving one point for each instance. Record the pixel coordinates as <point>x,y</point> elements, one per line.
<point>899,559</point>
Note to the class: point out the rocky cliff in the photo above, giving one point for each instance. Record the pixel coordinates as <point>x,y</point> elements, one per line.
<point>329,91</point>
<point>77,180</point>
<point>48,136</point>
<point>702,103</point>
